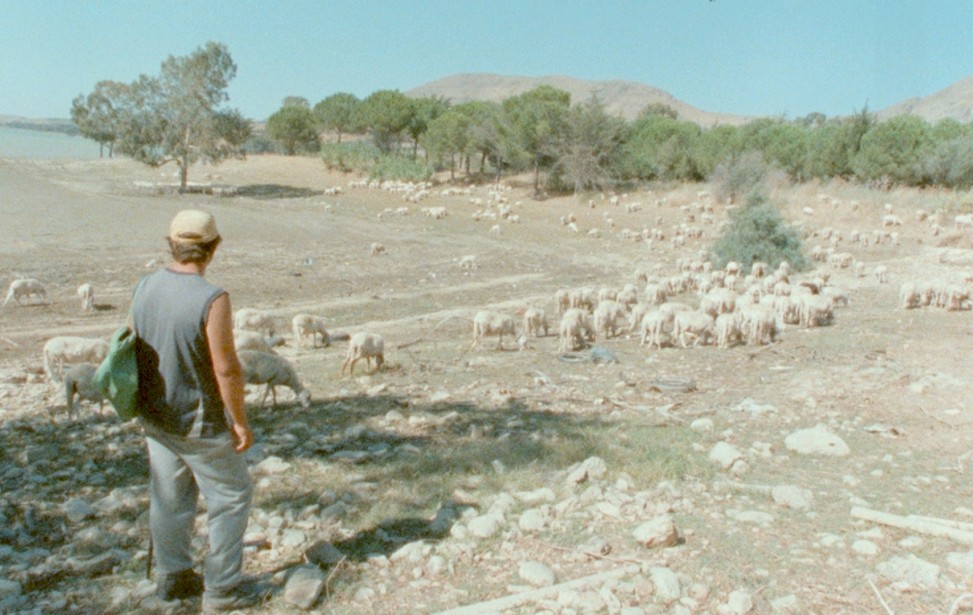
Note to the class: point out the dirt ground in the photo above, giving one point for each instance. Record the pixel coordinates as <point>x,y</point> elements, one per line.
<point>894,384</point>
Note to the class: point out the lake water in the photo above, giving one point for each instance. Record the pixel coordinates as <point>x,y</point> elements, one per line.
<point>20,143</point>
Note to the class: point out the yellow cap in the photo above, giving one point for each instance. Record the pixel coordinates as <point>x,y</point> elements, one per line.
<point>193,226</point>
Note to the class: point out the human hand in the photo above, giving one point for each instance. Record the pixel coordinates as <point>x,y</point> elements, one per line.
<point>242,437</point>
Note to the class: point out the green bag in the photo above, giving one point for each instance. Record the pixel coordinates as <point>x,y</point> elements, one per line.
<point>117,378</point>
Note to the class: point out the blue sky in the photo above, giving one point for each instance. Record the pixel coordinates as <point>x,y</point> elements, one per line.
<point>748,57</point>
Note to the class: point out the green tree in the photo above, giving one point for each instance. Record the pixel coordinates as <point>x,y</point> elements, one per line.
<point>96,115</point>
<point>893,150</point>
<point>757,232</point>
<point>782,143</point>
<point>486,121</point>
<point>339,112</point>
<point>658,108</point>
<point>535,123</point>
<point>661,147</point>
<point>589,148</point>
<point>424,111</point>
<point>387,114</point>
<point>448,137</point>
<point>177,117</point>
<point>293,126</point>
<point>949,159</point>
<point>715,147</point>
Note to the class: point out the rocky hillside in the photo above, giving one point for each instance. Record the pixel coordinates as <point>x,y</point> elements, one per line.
<point>955,102</point>
<point>624,98</point>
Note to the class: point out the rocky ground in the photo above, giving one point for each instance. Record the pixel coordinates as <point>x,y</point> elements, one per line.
<point>794,478</point>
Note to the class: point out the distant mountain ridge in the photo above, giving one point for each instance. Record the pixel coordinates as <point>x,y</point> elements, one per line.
<point>955,101</point>
<point>621,98</point>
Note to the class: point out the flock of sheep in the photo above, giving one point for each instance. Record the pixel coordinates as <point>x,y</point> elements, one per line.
<point>694,305</point>
<point>72,360</point>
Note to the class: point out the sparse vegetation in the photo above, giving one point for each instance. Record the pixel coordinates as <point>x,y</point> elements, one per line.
<point>758,232</point>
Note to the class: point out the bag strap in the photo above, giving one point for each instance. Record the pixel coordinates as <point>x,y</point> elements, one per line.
<point>131,306</point>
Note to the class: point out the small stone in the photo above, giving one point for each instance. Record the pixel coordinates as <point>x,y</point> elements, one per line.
<point>532,520</point>
<point>703,424</point>
<point>77,510</point>
<point>725,455</point>
<point>292,538</point>
<point>911,570</point>
<point>739,602</point>
<point>816,441</point>
<point>304,586</point>
<point>785,605</point>
<point>666,583</point>
<point>658,532</point>
<point>590,468</point>
<point>436,565</point>
<point>323,554</point>
<point>864,547</point>
<point>484,526</point>
<point>536,574</point>
<point>271,465</point>
<point>791,496</point>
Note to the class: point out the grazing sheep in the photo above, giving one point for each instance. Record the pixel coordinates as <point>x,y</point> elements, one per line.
<point>87,293</point>
<point>492,323</point>
<point>562,301</point>
<point>364,346</point>
<point>607,316</point>
<point>727,329</point>
<point>584,298</point>
<point>78,381</point>
<point>654,327</point>
<point>68,349</point>
<point>760,324</point>
<point>468,262</point>
<point>838,296</point>
<point>254,340</point>
<point>24,288</point>
<point>692,324</point>
<point>816,310</point>
<point>254,320</point>
<point>575,330</point>
<point>963,220</point>
<point>377,249</point>
<point>535,321</point>
<point>308,324</point>
<point>272,370</point>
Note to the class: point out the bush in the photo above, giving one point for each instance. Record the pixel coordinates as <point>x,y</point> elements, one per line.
<point>757,232</point>
<point>358,156</point>
<point>742,175</point>
<point>400,167</point>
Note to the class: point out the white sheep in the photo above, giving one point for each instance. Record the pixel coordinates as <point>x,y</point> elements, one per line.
<point>272,370</point>
<point>69,349</point>
<point>78,382</point>
<point>607,316</point>
<point>377,249</point>
<point>963,220</point>
<point>25,288</point>
<point>87,293</point>
<point>816,310</point>
<point>492,323</point>
<point>692,324</point>
<point>562,301</point>
<point>760,323</point>
<point>254,320</point>
<point>575,330</point>
<point>654,327</point>
<point>535,321</point>
<point>254,340</point>
<point>366,346</point>
<point>468,262</point>
<point>881,274</point>
<point>308,324</point>
<point>727,329</point>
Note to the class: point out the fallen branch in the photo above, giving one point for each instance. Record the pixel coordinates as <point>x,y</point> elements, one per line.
<point>881,599</point>
<point>915,524</point>
<point>513,600</point>
<point>588,553</point>
<point>10,341</point>
<point>743,487</point>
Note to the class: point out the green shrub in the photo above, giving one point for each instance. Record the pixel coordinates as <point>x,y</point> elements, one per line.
<point>741,175</point>
<point>400,167</point>
<point>357,156</point>
<point>757,232</point>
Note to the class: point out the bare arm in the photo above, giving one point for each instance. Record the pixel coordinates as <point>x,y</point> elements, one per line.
<point>226,368</point>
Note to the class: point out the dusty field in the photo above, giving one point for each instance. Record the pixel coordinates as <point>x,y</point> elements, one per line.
<point>893,384</point>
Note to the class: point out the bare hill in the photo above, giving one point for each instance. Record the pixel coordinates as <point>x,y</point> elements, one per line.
<point>955,101</point>
<point>623,98</point>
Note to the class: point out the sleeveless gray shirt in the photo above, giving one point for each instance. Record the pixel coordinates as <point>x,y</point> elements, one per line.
<point>178,392</point>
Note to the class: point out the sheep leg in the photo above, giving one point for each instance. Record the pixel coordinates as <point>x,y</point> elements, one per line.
<point>263,400</point>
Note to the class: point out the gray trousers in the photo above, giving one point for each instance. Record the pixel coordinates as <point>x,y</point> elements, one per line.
<point>181,469</point>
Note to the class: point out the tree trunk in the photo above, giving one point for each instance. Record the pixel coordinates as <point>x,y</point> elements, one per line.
<point>452,167</point>
<point>339,137</point>
<point>183,172</point>
<point>537,177</point>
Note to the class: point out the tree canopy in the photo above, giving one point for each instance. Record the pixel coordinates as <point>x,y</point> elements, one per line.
<point>177,116</point>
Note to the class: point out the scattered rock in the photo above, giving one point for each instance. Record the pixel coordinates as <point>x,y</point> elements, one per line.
<point>536,574</point>
<point>816,441</point>
<point>666,583</point>
<point>910,570</point>
<point>304,586</point>
<point>658,532</point>
<point>791,496</point>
